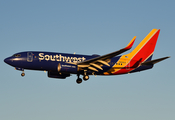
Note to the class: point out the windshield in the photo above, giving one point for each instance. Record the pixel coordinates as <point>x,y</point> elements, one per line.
<point>17,55</point>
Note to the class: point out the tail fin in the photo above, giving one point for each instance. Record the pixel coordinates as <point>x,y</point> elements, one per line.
<point>146,48</point>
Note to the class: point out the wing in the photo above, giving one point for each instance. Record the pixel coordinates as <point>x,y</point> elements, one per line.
<point>98,62</point>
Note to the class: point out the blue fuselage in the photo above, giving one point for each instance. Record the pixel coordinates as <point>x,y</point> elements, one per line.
<point>49,61</point>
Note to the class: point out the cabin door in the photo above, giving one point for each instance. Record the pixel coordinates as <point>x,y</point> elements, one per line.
<point>29,57</point>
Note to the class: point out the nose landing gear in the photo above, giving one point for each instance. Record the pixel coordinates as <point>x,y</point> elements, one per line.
<point>22,74</point>
<point>20,69</point>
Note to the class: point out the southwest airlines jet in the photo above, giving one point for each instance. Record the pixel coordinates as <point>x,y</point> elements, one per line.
<point>62,65</point>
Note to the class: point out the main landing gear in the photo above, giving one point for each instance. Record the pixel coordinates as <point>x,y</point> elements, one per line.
<point>85,77</point>
<point>79,80</point>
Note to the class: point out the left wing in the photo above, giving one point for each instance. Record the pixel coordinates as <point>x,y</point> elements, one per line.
<point>97,62</point>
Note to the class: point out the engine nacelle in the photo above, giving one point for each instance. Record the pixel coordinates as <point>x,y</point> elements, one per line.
<point>57,75</point>
<point>67,68</point>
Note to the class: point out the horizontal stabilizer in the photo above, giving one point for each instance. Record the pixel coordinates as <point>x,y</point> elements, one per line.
<point>152,62</point>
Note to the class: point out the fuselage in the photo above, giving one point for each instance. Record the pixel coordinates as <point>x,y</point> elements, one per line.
<point>49,61</point>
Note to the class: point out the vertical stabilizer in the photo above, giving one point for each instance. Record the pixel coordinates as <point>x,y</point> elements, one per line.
<point>142,53</point>
<point>146,47</point>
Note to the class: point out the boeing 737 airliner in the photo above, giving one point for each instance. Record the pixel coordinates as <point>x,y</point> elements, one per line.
<point>61,65</point>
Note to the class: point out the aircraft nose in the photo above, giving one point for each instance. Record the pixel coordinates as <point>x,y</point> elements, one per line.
<point>7,60</point>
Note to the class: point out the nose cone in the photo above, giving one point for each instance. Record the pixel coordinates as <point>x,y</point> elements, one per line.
<point>7,60</point>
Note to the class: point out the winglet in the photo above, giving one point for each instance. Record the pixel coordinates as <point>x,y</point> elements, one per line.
<point>130,43</point>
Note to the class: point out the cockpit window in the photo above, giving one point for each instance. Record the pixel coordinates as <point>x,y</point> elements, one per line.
<point>17,55</point>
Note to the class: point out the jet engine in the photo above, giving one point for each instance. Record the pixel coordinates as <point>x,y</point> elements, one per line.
<point>67,68</point>
<point>57,75</point>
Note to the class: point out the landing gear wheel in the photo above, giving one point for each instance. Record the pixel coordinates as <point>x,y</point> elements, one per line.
<point>79,80</point>
<point>85,77</point>
<point>22,74</point>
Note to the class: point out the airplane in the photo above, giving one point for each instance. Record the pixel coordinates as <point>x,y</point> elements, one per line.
<point>62,65</point>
